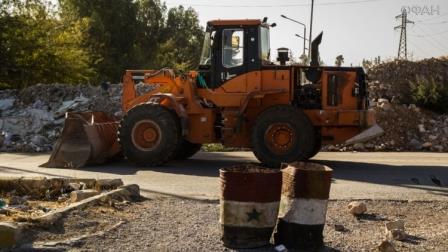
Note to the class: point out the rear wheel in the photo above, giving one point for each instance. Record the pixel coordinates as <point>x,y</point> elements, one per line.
<point>282,134</point>
<point>149,135</point>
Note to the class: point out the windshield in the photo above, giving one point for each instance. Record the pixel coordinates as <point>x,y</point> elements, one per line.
<point>265,47</point>
<point>206,50</point>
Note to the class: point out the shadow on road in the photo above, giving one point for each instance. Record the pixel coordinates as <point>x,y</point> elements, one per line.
<point>201,165</point>
<point>433,179</point>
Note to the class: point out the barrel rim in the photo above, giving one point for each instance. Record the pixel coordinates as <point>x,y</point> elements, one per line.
<point>306,166</point>
<point>248,169</point>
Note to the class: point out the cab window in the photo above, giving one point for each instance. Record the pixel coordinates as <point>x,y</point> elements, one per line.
<point>232,48</point>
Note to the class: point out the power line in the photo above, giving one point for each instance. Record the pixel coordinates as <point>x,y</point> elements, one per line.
<point>429,36</point>
<point>276,5</point>
<point>420,49</point>
<point>434,42</point>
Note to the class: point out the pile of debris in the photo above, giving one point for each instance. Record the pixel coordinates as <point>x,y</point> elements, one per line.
<point>32,119</point>
<point>22,199</point>
<point>392,80</point>
<point>406,126</point>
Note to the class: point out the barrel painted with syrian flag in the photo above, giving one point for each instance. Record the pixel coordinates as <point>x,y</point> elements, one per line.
<point>303,206</point>
<point>250,198</point>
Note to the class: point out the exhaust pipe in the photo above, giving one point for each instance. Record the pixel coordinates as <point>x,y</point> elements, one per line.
<point>315,50</point>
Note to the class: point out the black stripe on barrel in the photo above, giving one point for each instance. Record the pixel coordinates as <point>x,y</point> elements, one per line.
<point>250,198</point>
<point>303,206</point>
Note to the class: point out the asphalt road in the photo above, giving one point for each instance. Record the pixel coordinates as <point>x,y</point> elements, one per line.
<point>393,176</point>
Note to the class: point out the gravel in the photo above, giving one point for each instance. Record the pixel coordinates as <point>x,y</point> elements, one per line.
<point>170,224</point>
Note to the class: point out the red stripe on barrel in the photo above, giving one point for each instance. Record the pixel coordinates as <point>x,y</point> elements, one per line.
<point>250,183</point>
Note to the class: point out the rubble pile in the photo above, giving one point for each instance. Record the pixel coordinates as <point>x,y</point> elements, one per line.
<point>32,119</point>
<point>392,80</point>
<point>406,126</point>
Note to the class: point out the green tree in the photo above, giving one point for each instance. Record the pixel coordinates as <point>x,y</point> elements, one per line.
<point>37,47</point>
<point>339,60</point>
<point>182,39</point>
<point>111,32</point>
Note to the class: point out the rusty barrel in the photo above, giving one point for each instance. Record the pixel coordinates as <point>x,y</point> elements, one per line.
<point>303,206</point>
<point>250,198</point>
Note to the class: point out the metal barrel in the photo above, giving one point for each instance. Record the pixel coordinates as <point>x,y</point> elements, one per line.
<point>250,198</point>
<point>303,206</point>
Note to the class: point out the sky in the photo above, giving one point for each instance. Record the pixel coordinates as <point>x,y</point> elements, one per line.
<point>357,29</point>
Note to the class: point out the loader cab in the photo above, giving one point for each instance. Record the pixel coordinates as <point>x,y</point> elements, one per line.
<point>232,48</point>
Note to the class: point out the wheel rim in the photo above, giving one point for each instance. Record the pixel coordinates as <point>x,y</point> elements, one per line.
<point>146,135</point>
<point>279,138</point>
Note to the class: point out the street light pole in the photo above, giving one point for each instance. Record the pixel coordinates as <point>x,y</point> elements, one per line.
<point>304,31</point>
<point>311,29</point>
<point>304,41</point>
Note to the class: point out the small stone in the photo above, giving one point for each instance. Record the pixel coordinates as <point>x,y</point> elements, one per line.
<point>77,196</point>
<point>427,145</point>
<point>395,100</point>
<point>386,246</point>
<point>369,146</point>
<point>332,148</point>
<point>395,230</point>
<point>16,200</point>
<point>386,106</point>
<point>39,140</point>
<point>339,227</point>
<point>357,207</point>
<point>421,128</point>
<point>433,137</point>
<point>398,224</point>
<point>383,100</point>
<point>6,212</point>
<point>438,148</point>
<point>108,184</point>
<point>359,147</point>
<point>75,186</point>
<point>10,235</point>
<point>445,130</point>
<point>396,234</point>
<point>415,144</point>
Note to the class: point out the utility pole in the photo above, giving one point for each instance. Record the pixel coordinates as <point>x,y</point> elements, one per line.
<point>311,30</point>
<point>403,46</point>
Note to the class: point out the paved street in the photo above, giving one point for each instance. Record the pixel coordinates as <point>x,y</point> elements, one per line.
<point>398,176</point>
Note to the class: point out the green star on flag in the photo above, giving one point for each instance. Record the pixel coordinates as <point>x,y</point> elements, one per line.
<point>254,215</point>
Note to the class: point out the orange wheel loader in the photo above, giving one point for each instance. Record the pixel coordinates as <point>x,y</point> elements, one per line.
<point>240,98</point>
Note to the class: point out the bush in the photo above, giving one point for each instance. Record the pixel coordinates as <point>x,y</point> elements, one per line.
<point>429,93</point>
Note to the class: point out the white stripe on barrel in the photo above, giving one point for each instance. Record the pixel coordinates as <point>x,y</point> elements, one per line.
<point>248,214</point>
<point>303,211</point>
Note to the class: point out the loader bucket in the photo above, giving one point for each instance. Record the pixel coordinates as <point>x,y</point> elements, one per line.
<point>87,138</point>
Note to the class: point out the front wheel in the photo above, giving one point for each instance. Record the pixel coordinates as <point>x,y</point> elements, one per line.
<point>282,134</point>
<point>149,135</point>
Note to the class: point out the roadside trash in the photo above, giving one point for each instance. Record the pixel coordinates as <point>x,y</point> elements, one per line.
<point>303,206</point>
<point>250,197</point>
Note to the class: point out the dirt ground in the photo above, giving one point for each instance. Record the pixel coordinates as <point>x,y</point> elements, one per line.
<point>170,224</point>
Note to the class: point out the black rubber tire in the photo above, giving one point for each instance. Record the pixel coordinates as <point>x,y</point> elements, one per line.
<point>186,150</point>
<point>317,146</point>
<point>304,141</point>
<point>170,135</point>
